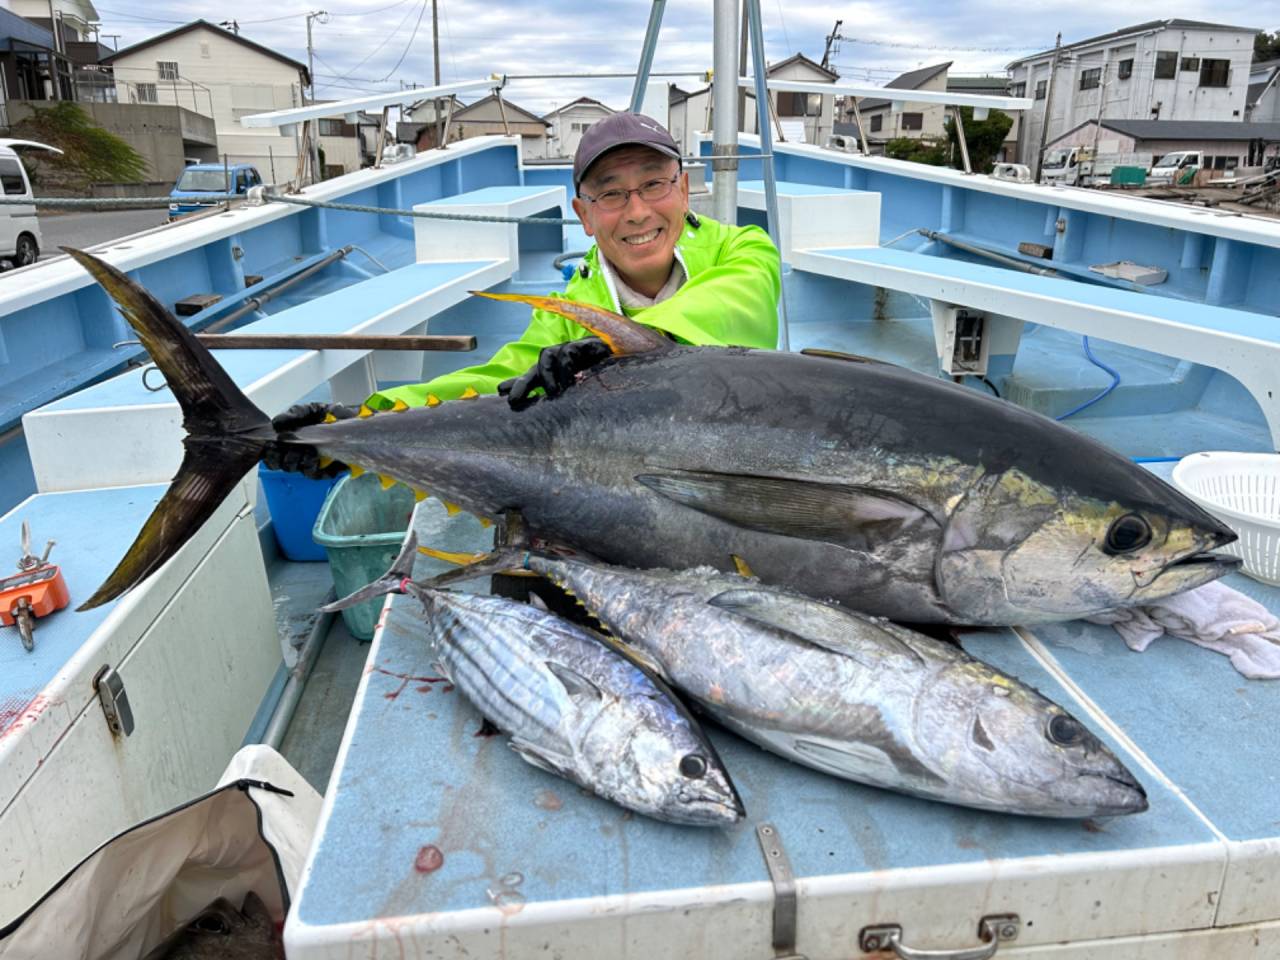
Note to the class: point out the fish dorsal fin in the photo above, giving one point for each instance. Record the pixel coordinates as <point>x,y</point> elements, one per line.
<point>575,684</point>
<point>839,355</point>
<point>824,625</point>
<point>621,334</point>
<point>848,516</point>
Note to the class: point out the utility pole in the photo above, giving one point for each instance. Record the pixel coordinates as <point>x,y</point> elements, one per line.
<point>833,38</point>
<point>1048,104</point>
<point>435,63</point>
<point>113,36</point>
<point>314,126</point>
<point>742,69</point>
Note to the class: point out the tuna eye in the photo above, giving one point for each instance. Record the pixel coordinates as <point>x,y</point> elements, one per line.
<point>211,924</point>
<point>1127,534</point>
<point>1065,731</point>
<point>693,766</point>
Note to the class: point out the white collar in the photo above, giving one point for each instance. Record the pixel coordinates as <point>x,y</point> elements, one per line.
<point>624,296</point>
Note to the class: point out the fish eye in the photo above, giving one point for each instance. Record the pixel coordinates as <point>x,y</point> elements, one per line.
<point>212,923</point>
<point>693,766</point>
<point>1130,532</point>
<point>1065,731</point>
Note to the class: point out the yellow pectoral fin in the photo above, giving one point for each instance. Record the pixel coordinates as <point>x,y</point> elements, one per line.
<point>447,556</point>
<point>622,334</point>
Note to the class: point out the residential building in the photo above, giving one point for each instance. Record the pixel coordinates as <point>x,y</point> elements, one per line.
<point>347,146</point>
<point>688,113</point>
<point>887,119</point>
<point>567,124</point>
<point>1224,144</point>
<point>32,65</point>
<point>1263,103</point>
<point>480,119</point>
<point>222,75</point>
<point>810,114</point>
<point>1159,70</point>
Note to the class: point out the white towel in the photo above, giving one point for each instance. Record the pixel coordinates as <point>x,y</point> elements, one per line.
<point>1213,616</point>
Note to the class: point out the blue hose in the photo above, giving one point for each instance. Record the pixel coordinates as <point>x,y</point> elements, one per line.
<point>1155,459</point>
<point>1115,382</point>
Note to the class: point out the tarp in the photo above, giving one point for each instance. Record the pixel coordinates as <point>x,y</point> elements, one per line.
<point>251,833</point>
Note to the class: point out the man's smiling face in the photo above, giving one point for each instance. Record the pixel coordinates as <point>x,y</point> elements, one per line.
<point>639,239</point>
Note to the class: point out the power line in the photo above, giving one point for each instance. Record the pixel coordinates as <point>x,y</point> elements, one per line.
<point>361,13</point>
<point>421,10</point>
<point>385,40</point>
<point>918,46</point>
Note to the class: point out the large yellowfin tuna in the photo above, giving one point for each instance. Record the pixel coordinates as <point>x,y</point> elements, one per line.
<point>896,494</point>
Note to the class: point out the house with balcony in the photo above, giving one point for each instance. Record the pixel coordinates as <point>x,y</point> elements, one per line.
<point>809,117</point>
<point>887,119</point>
<point>205,69</point>
<point>1158,70</point>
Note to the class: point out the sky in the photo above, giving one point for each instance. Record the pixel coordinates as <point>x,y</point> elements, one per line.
<point>366,46</point>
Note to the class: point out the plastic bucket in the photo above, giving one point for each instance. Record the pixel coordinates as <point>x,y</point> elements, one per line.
<point>361,527</point>
<point>294,502</point>
<point>1243,491</point>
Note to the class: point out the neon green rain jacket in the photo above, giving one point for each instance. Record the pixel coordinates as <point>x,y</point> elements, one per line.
<point>730,297</point>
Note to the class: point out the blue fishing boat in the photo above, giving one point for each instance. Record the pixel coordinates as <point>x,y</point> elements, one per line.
<point>1148,325</point>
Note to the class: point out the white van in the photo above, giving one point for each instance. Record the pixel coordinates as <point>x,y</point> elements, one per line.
<point>20,238</point>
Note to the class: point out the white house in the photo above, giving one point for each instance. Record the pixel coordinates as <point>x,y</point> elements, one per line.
<point>917,121</point>
<point>223,76</point>
<point>567,124</point>
<point>1224,144</point>
<point>687,114</point>
<point>1159,70</point>
<point>812,112</point>
<point>482,118</point>
<point>74,17</point>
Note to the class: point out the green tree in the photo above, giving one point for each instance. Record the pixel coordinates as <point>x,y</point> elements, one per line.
<point>916,151</point>
<point>90,154</point>
<point>1266,46</point>
<point>983,137</point>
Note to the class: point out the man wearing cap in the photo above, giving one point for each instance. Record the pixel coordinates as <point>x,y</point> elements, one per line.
<point>698,281</point>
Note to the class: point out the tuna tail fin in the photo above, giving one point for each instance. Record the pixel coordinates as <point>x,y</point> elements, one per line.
<point>226,433</point>
<point>393,581</point>
<point>622,334</point>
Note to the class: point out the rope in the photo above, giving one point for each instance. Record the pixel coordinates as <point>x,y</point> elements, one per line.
<point>423,214</point>
<point>146,202</point>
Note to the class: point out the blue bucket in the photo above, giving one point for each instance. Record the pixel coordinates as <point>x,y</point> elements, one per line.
<point>294,502</point>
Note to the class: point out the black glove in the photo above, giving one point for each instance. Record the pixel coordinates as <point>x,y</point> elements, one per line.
<point>300,459</point>
<point>557,368</point>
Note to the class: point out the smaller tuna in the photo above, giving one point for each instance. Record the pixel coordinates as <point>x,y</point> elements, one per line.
<point>572,705</point>
<point>851,695</point>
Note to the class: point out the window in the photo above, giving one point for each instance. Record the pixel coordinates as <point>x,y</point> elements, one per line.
<point>877,122</point>
<point>1215,73</point>
<point>1124,69</point>
<point>791,104</point>
<point>330,128</point>
<point>1166,64</point>
<point>147,93</point>
<point>1090,78</point>
<point>11,177</point>
<point>168,69</point>
<point>1040,89</point>
<point>1018,90</point>
<point>913,121</point>
<point>1190,64</point>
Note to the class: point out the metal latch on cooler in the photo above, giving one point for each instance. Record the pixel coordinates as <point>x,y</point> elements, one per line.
<point>109,687</point>
<point>992,930</point>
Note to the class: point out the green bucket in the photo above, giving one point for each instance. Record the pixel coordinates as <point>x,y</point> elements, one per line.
<point>361,527</point>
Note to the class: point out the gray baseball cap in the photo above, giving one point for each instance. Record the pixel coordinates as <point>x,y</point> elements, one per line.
<point>621,130</point>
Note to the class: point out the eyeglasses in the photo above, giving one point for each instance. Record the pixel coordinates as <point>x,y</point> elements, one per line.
<point>650,191</point>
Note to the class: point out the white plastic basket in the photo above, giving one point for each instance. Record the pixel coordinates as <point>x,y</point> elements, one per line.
<point>1243,491</point>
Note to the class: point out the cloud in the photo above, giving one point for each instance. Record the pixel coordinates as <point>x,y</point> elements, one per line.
<point>358,48</point>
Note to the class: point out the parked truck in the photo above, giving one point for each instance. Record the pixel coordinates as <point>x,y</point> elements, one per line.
<point>1085,167</point>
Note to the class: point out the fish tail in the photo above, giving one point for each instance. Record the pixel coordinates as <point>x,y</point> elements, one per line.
<point>226,433</point>
<point>393,581</point>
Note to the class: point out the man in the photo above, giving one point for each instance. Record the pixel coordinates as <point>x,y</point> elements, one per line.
<point>699,281</point>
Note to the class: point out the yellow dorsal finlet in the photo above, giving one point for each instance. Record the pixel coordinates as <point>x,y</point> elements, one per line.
<point>329,418</point>
<point>433,400</point>
<point>387,482</point>
<point>325,461</point>
<point>365,411</point>
<point>356,470</point>
<point>420,495</point>
<point>400,406</point>
<point>741,566</point>
<point>469,394</point>
<point>452,508</point>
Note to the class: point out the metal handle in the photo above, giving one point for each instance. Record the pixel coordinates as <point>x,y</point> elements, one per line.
<point>993,930</point>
